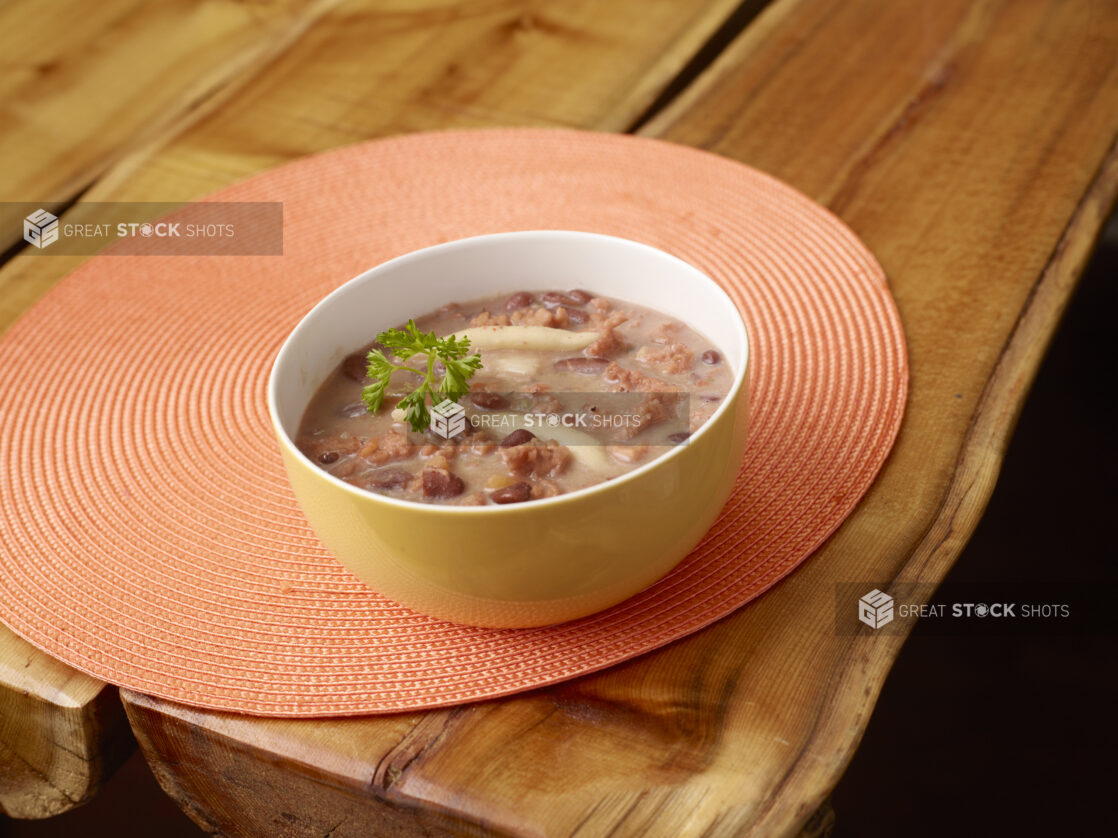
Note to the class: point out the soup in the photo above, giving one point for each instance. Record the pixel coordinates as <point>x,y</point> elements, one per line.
<point>573,390</point>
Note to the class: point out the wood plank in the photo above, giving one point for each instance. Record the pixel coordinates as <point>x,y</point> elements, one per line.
<point>75,94</point>
<point>85,84</point>
<point>959,145</point>
<point>75,100</point>
<point>971,146</point>
<point>62,733</point>
<point>981,196</point>
<point>370,69</point>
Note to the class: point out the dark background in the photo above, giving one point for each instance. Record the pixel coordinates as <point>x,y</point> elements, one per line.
<point>973,735</point>
<point>1016,735</point>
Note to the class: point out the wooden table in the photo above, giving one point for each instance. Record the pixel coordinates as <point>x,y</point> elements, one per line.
<point>970,143</point>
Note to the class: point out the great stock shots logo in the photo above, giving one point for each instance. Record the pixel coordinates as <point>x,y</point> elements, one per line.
<point>201,228</point>
<point>875,609</point>
<point>40,228</point>
<point>996,607</point>
<point>448,419</point>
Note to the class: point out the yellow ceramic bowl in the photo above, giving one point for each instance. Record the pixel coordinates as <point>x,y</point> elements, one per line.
<point>545,561</point>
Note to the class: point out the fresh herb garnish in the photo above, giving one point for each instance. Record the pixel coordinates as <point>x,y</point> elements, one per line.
<point>405,344</point>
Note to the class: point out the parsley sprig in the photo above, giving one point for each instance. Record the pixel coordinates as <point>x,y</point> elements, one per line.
<point>406,343</point>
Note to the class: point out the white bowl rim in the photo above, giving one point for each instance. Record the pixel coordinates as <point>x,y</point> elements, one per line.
<point>514,508</point>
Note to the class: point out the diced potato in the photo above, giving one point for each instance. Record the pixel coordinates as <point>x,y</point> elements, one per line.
<point>499,481</point>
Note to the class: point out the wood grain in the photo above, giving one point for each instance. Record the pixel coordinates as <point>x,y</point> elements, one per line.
<point>85,84</point>
<point>971,147</point>
<point>61,732</point>
<point>76,98</point>
<point>167,101</point>
<point>970,144</point>
<point>363,69</point>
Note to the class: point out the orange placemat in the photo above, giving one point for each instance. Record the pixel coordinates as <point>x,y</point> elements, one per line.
<point>148,535</point>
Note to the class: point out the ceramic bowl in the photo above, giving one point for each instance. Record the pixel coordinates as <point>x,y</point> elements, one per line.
<point>544,561</point>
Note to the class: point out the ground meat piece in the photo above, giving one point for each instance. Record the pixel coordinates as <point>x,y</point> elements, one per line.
<point>599,305</point>
<point>536,459</point>
<point>660,402</point>
<point>545,489</point>
<point>608,341</point>
<point>316,446</point>
<point>699,416</point>
<point>673,359</point>
<point>554,318</point>
<point>664,333</point>
<point>435,452</point>
<point>484,318</point>
<point>546,403</point>
<point>392,446</point>
<point>653,409</point>
<point>623,380</point>
<point>441,483</point>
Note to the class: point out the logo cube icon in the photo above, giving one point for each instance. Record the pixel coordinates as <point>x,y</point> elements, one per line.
<point>40,228</point>
<point>448,419</point>
<point>875,609</point>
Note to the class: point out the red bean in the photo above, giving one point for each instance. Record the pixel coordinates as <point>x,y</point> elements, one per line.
<point>711,357</point>
<point>327,457</point>
<point>440,483</point>
<point>354,366</point>
<point>517,437</point>
<point>489,401</point>
<point>521,299</point>
<point>516,493</point>
<point>551,299</point>
<point>679,437</point>
<point>586,365</point>
<point>581,297</point>
<point>386,478</point>
<point>576,316</point>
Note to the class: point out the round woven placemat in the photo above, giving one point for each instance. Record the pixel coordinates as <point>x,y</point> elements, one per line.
<point>148,535</point>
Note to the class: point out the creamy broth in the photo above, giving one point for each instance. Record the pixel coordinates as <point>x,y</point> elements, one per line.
<point>595,389</point>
